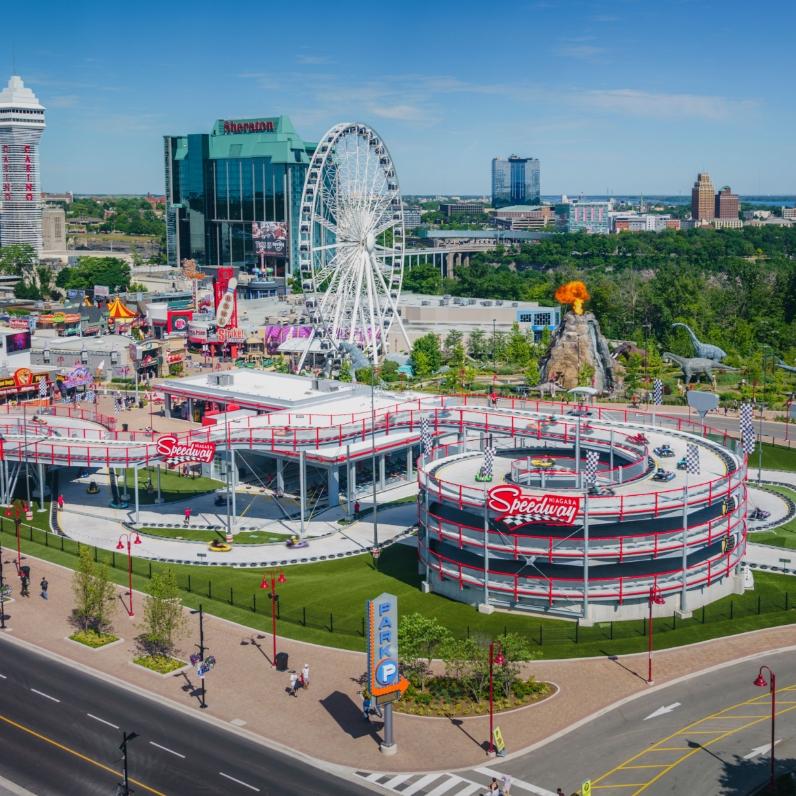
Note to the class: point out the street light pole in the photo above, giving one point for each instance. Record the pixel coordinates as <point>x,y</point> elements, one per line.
<point>201,646</point>
<point>274,599</point>
<point>126,736</point>
<point>494,344</point>
<point>760,681</point>
<point>120,546</point>
<point>493,659</point>
<point>2,591</point>
<point>373,459</point>
<point>656,598</point>
<point>17,516</point>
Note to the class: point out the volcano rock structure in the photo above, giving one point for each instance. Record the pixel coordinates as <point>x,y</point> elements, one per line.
<point>578,341</point>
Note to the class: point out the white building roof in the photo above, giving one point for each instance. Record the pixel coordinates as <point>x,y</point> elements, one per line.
<point>16,95</point>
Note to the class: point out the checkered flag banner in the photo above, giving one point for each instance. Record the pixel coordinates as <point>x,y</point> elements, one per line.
<point>425,435</point>
<point>42,387</point>
<point>657,392</point>
<point>747,428</point>
<point>692,458</point>
<point>90,396</point>
<point>489,464</point>
<point>590,473</point>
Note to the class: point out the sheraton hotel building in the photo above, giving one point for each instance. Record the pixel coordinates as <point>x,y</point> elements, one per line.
<point>233,195</point>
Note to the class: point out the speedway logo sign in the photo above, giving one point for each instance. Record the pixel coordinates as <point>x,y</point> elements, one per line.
<point>175,452</point>
<point>516,507</point>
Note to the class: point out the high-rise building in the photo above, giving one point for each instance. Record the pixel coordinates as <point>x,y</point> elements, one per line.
<point>591,217</point>
<point>727,203</point>
<point>21,126</point>
<point>703,200</point>
<point>244,174</point>
<point>53,224</point>
<point>515,181</point>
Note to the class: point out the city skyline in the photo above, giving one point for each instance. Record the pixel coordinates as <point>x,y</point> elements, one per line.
<point>629,101</point>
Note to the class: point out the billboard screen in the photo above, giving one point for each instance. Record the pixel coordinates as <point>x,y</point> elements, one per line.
<point>270,238</point>
<point>18,342</point>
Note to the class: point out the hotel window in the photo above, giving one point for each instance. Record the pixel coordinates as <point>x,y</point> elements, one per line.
<point>543,319</point>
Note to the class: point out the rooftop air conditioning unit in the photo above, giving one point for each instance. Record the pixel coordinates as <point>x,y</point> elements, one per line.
<point>220,379</point>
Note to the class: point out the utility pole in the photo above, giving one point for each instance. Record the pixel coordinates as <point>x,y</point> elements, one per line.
<point>202,648</point>
<point>123,789</point>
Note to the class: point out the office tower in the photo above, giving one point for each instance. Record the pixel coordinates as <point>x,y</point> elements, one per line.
<point>21,126</point>
<point>703,202</point>
<point>515,181</point>
<point>727,203</point>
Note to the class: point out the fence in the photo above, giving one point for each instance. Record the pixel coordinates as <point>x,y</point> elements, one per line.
<point>543,634</point>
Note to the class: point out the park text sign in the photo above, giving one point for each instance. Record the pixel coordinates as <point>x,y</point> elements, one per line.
<point>519,508</point>
<point>176,452</point>
<point>381,638</point>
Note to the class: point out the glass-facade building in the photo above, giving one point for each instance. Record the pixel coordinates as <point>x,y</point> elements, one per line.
<point>515,181</point>
<point>233,195</point>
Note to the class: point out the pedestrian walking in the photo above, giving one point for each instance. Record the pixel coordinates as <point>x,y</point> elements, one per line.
<point>366,703</point>
<point>356,509</point>
<point>293,683</point>
<point>60,501</point>
<point>25,591</point>
<point>505,785</point>
<point>305,675</point>
<point>493,786</point>
<point>187,513</point>
<point>44,586</point>
<point>560,792</point>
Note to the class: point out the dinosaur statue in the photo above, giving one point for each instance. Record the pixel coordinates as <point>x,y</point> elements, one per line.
<point>696,366</point>
<point>789,368</point>
<point>703,350</point>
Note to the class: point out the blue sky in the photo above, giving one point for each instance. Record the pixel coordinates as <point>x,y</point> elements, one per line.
<point>628,96</point>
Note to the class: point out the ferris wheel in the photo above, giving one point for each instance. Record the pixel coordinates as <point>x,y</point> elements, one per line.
<point>351,243</point>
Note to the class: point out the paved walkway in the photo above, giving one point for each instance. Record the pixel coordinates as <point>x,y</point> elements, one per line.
<point>325,721</point>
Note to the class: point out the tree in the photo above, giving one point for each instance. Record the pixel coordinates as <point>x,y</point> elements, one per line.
<point>424,278</point>
<point>532,375</point>
<point>518,349</point>
<point>419,639</point>
<point>428,344</point>
<point>585,375</point>
<point>389,371</point>
<point>452,340</point>
<point>164,619</point>
<point>420,364</point>
<point>477,345</point>
<point>94,594</point>
<point>89,271</point>
<point>345,370</point>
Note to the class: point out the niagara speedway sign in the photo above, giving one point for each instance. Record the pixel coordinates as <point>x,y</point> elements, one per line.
<point>175,452</point>
<point>516,507</point>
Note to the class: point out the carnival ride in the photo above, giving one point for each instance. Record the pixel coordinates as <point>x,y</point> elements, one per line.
<point>351,244</point>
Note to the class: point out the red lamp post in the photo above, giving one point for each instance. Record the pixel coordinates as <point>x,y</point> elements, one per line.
<point>120,546</point>
<point>275,579</point>
<point>760,681</point>
<point>655,598</point>
<point>17,513</point>
<point>499,660</point>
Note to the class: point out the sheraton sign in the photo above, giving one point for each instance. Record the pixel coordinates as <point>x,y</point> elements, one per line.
<point>256,126</point>
<point>169,447</point>
<point>520,508</point>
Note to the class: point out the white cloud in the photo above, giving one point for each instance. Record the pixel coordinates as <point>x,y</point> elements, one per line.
<point>666,106</point>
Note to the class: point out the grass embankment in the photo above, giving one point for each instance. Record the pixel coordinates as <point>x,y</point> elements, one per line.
<point>323,603</point>
<point>173,486</point>
<point>775,457</point>
<point>192,535</point>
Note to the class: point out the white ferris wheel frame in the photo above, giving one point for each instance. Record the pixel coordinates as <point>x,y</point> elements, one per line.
<point>351,274</point>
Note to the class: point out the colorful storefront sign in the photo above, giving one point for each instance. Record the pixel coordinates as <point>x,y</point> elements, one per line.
<point>381,640</point>
<point>175,452</point>
<point>521,508</point>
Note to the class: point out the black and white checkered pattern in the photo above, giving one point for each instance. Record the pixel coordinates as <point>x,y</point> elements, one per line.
<point>42,387</point>
<point>425,435</point>
<point>488,466</point>
<point>590,472</point>
<point>747,428</point>
<point>521,519</point>
<point>692,458</point>
<point>657,391</point>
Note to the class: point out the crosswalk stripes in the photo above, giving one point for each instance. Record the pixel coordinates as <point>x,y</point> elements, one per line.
<point>446,784</point>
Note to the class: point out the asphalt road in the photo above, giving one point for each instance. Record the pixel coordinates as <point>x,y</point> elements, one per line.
<point>712,737</point>
<point>60,731</point>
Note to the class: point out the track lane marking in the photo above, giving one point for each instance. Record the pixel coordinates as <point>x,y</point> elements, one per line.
<point>46,696</point>
<point>166,749</point>
<point>77,754</point>
<point>3,677</point>
<point>102,721</point>
<point>239,781</point>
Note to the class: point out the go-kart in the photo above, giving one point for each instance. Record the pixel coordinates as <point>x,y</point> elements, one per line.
<point>682,464</point>
<point>543,461</point>
<point>638,439</point>
<point>600,491</point>
<point>664,451</point>
<point>221,499</point>
<point>663,475</point>
<point>219,546</point>
<point>294,543</point>
<point>759,514</point>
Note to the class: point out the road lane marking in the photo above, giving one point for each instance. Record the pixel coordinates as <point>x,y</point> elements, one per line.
<point>239,781</point>
<point>46,696</point>
<point>166,749</point>
<point>3,677</point>
<point>761,750</point>
<point>102,721</point>
<point>77,754</point>
<point>662,711</point>
<point>420,784</point>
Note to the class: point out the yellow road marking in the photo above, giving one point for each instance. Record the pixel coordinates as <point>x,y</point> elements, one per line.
<point>646,765</point>
<point>690,751</point>
<point>77,754</point>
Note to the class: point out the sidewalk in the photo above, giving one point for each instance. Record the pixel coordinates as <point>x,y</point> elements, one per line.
<point>325,721</point>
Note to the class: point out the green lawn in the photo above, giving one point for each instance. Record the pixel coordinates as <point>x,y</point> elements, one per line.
<point>193,535</point>
<point>775,457</point>
<point>323,603</point>
<point>784,535</point>
<point>173,486</point>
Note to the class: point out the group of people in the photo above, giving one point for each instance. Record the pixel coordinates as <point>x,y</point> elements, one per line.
<point>24,579</point>
<point>299,680</point>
